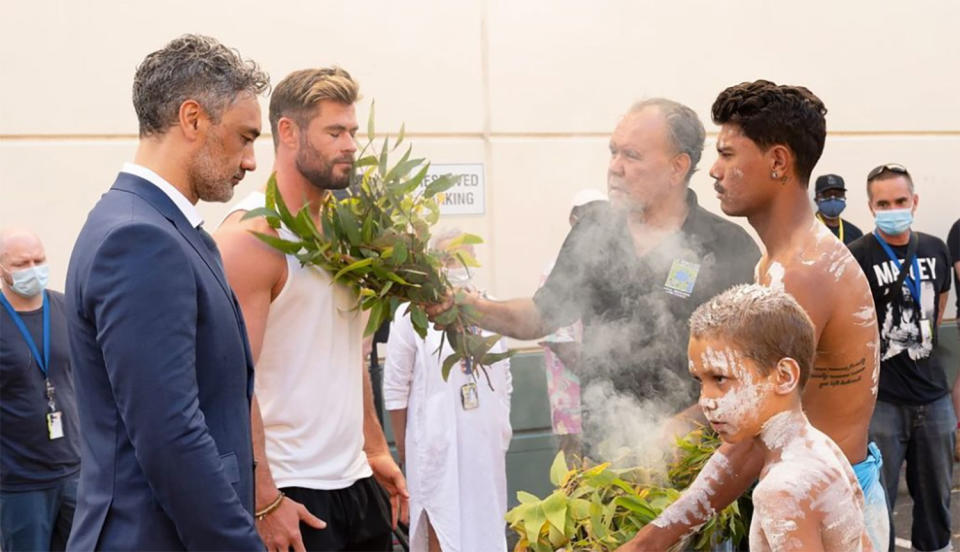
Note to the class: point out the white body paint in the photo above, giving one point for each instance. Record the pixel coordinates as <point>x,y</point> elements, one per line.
<point>806,475</point>
<point>694,503</point>
<point>775,272</point>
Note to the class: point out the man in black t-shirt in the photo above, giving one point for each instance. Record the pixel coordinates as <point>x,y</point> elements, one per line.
<point>831,197</point>
<point>39,441</point>
<point>634,272</point>
<point>914,420</point>
<point>953,245</point>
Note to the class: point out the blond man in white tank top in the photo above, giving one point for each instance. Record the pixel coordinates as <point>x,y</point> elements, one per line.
<point>320,450</point>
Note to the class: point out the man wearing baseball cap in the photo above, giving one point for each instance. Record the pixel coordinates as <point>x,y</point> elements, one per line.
<point>831,198</point>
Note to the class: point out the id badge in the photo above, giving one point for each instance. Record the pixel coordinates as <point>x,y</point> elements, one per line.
<point>926,332</point>
<point>682,278</point>
<point>55,425</point>
<point>469,397</point>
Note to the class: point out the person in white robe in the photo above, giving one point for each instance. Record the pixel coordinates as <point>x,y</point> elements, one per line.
<point>452,437</point>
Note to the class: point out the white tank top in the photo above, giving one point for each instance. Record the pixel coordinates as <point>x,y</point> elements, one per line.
<point>308,378</point>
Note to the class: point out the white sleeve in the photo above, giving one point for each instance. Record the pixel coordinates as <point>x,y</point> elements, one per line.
<point>400,361</point>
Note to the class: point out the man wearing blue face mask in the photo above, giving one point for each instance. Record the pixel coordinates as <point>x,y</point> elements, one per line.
<point>914,420</point>
<point>831,198</point>
<point>39,449</point>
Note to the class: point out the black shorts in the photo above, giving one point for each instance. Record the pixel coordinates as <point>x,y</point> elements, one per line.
<point>358,517</point>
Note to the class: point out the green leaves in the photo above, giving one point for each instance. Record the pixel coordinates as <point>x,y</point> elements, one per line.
<point>370,127</point>
<point>558,469</point>
<point>375,241</point>
<point>353,266</point>
<point>441,184</point>
<point>287,246</point>
<point>599,508</point>
<point>448,364</point>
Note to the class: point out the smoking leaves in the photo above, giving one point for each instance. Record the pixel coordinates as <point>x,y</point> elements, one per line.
<point>599,508</point>
<point>375,241</point>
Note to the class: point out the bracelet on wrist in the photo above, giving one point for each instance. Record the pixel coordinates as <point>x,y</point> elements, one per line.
<point>270,507</point>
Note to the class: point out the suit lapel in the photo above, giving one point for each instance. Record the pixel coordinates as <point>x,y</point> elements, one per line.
<point>164,205</point>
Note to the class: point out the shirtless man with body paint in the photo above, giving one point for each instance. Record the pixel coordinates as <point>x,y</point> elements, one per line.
<point>751,349</point>
<point>770,139</point>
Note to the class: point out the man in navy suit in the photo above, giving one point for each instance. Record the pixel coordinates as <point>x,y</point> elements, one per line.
<point>161,359</point>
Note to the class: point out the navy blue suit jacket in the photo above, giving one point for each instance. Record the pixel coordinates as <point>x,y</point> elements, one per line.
<point>164,378</point>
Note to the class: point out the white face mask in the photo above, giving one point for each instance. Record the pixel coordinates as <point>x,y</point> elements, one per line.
<point>29,282</point>
<point>459,277</point>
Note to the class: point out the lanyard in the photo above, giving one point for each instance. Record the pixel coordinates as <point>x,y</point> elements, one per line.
<point>41,360</point>
<point>840,235</point>
<point>913,283</point>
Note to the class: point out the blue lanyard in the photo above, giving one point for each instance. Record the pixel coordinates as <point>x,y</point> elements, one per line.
<point>41,361</point>
<point>913,283</point>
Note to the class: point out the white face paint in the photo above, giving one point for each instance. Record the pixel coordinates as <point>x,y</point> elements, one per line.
<point>739,406</point>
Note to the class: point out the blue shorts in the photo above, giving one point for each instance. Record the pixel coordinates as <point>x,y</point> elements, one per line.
<point>875,516</point>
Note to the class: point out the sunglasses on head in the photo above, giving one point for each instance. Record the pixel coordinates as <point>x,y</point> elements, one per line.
<point>894,168</point>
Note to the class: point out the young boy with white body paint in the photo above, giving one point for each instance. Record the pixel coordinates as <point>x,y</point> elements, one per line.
<point>752,348</point>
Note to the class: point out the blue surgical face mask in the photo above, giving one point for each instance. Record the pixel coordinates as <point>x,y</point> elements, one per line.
<point>832,206</point>
<point>30,281</point>
<point>894,222</point>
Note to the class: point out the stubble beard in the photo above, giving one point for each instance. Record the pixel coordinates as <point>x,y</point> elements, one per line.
<point>318,170</point>
<point>209,180</point>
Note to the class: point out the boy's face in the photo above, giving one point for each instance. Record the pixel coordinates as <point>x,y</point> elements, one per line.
<point>733,391</point>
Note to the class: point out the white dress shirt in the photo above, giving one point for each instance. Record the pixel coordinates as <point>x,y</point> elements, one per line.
<point>188,209</point>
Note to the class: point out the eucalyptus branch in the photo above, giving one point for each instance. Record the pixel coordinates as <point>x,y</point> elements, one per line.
<point>599,508</point>
<point>376,241</point>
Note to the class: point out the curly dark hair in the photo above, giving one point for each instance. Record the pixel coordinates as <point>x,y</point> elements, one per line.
<point>771,114</point>
<point>191,67</point>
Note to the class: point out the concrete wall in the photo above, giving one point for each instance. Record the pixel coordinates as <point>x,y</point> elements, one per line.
<point>529,88</point>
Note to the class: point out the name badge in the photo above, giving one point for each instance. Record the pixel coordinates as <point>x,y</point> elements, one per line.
<point>681,278</point>
<point>469,397</point>
<point>55,425</point>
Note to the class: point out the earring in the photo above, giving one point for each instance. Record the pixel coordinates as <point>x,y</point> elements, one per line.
<point>774,175</point>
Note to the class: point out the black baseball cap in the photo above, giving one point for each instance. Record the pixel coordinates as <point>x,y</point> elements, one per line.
<point>830,182</point>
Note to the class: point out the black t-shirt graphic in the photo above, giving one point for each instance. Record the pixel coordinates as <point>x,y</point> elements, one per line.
<point>909,373</point>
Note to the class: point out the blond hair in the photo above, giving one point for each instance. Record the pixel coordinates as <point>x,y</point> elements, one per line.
<point>297,95</point>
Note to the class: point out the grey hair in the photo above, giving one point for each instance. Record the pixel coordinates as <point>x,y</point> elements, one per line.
<point>191,67</point>
<point>686,130</point>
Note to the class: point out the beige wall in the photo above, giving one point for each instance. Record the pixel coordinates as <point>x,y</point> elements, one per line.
<point>529,88</point>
